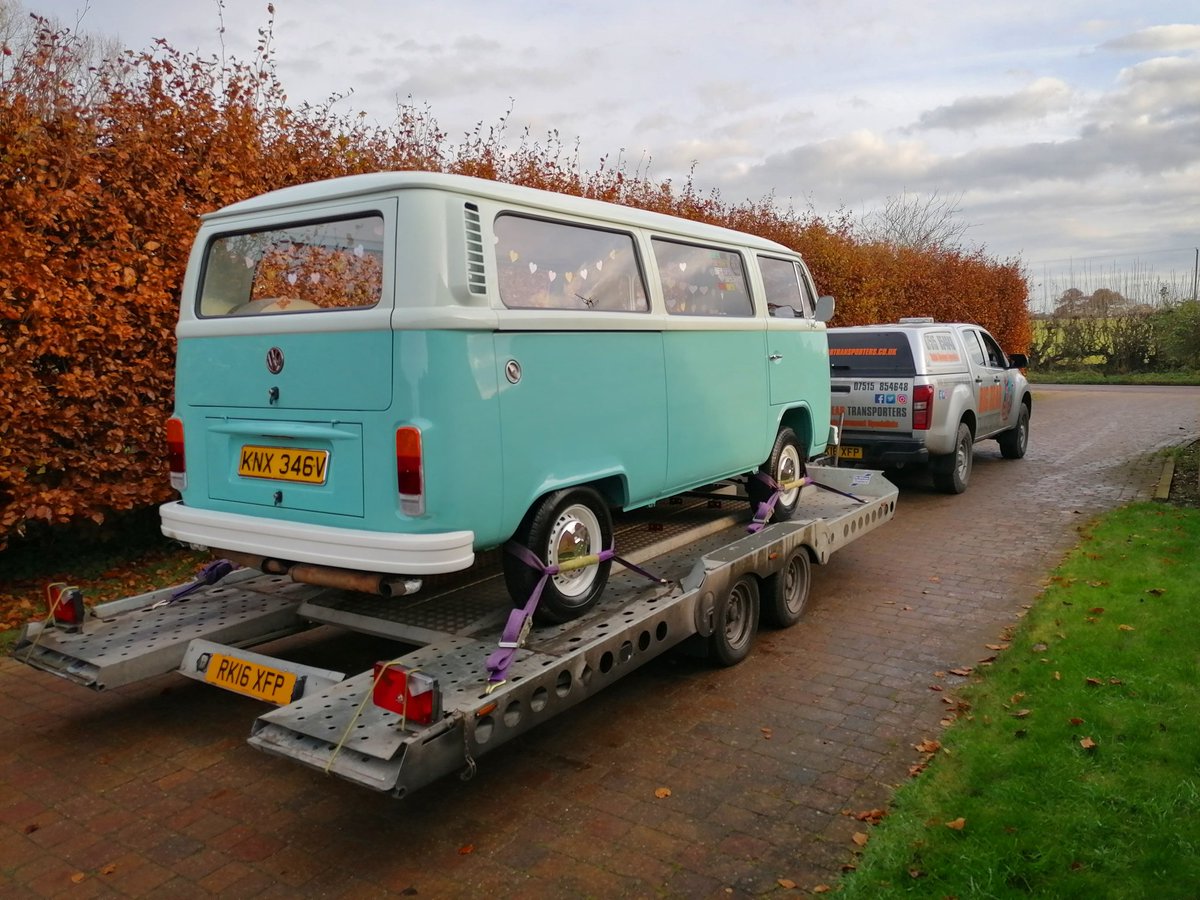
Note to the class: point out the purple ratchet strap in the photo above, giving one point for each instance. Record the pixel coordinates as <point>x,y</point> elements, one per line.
<point>210,574</point>
<point>520,620</point>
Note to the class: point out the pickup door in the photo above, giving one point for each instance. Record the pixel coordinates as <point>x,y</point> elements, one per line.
<point>992,382</point>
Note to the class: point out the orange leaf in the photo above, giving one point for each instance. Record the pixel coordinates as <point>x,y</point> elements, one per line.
<point>963,671</point>
<point>860,838</point>
<point>1087,744</point>
<point>662,793</point>
<point>787,884</point>
<point>466,849</point>
<point>1125,628</point>
<point>78,877</point>
<point>108,868</point>
<point>821,889</point>
<point>957,824</point>
<point>1076,721</point>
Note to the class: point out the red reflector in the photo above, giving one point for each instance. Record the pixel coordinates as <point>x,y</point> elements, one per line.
<point>175,458</point>
<point>413,695</point>
<point>410,476</point>
<point>922,407</point>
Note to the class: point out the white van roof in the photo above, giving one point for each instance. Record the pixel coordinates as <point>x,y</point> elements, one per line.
<point>531,198</point>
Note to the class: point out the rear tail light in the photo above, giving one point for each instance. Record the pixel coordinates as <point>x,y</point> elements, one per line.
<point>414,695</point>
<point>66,605</point>
<point>922,407</point>
<point>410,472</point>
<point>175,458</point>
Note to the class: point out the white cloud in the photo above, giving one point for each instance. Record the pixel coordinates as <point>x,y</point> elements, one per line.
<point>1041,98</point>
<point>1157,39</point>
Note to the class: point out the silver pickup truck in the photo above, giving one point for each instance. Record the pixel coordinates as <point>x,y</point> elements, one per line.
<point>921,391</point>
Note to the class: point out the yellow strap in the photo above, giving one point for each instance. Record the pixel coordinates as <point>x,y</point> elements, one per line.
<point>361,706</point>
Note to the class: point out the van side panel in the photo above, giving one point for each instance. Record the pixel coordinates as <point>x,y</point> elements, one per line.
<point>719,420</point>
<point>588,404</point>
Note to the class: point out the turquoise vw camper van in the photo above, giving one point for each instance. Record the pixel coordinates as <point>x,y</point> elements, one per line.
<point>381,375</point>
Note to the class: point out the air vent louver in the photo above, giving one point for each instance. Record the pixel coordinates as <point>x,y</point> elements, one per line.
<point>476,281</point>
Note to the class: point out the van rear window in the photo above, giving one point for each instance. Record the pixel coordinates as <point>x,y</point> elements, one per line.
<point>872,353</point>
<point>306,267</point>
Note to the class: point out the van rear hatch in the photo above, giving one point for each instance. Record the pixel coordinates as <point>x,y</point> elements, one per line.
<point>290,354</point>
<point>872,377</point>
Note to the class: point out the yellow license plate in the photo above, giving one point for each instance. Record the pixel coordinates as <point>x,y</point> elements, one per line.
<point>850,453</point>
<point>284,464</point>
<point>251,679</point>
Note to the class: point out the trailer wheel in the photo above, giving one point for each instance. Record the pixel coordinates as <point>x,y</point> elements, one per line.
<point>785,594</point>
<point>786,463</point>
<point>562,526</point>
<point>952,471</point>
<point>735,622</point>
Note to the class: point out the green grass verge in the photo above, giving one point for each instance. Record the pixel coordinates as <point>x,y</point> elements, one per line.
<point>1076,765</point>
<point>1092,376</point>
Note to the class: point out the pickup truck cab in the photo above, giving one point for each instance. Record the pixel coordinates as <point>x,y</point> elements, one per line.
<point>921,391</point>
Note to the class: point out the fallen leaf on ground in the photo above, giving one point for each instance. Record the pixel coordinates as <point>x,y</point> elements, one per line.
<point>874,816</point>
<point>962,671</point>
<point>1021,713</point>
<point>1087,744</point>
<point>1076,721</point>
<point>821,889</point>
<point>929,745</point>
<point>662,793</point>
<point>860,838</point>
<point>766,733</point>
<point>996,646</point>
<point>78,877</point>
<point>1096,610</point>
<point>466,849</point>
<point>108,869</point>
<point>1093,681</point>
<point>935,687</point>
<point>787,884</point>
<point>1157,592</point>
<point>957,824</point>
<point>1040,648</point>
<point>1125,628</point>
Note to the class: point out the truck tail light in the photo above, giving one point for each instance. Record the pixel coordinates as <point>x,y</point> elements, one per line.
<point>414,695</point>
<point>922,407</point>
<point>175,458</point>
<point>410,471</point>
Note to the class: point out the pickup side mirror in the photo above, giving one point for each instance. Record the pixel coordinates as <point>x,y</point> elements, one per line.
<point>1018,361</point>
<point>824,310</point>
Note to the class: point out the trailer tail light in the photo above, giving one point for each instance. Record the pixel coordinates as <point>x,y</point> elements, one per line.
<point>922,407</point>
<point>66,605</point>
<point>413,695</point>
<point>175,458</point>
<point>410,472</point>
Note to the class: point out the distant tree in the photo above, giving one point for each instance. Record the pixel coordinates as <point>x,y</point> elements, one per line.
<point>917,222</point>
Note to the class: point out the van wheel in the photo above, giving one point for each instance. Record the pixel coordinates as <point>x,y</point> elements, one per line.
<point>1015,441</point>
<point>735,622</point>
<point>786,463</point>
<point>785,594</point>
<point>562,526</point>
<point>952,471</point>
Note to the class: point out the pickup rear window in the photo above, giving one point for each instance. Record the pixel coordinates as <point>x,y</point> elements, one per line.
<point>874,353</point>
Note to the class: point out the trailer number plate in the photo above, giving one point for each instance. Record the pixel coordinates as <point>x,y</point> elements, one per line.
<point>284,464</point>
<point>251,679</point>
<point>850,453</point>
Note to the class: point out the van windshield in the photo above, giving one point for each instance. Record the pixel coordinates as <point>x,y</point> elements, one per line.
<point>306,267</point>
<point>874,353</point>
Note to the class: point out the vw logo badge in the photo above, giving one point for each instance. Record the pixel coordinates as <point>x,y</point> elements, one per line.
<point>275,360</point>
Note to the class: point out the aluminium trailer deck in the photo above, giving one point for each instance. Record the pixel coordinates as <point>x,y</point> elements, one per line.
<point>328,721</point>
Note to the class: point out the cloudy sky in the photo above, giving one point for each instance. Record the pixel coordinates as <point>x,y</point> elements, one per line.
<point>1068,132</point>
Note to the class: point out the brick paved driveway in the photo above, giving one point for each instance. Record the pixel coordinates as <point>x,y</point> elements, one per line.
<point>152,790</point>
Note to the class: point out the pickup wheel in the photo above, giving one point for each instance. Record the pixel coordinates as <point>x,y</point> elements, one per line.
<point>735,622</point>
<point>1015,441</point>
<point>786,463</point>
<point>785,594</point>
<point>562,526</point>
<point>952,471</point>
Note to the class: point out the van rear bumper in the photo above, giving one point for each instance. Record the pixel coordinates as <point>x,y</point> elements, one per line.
<point>344,548</point>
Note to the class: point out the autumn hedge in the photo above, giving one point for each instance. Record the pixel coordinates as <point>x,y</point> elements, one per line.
<point>104,170</point>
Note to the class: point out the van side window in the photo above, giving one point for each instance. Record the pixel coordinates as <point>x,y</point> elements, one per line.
<point>785,287</point>
<point>555,265</point>
<point>308,266</point>
<point>702,281</point>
